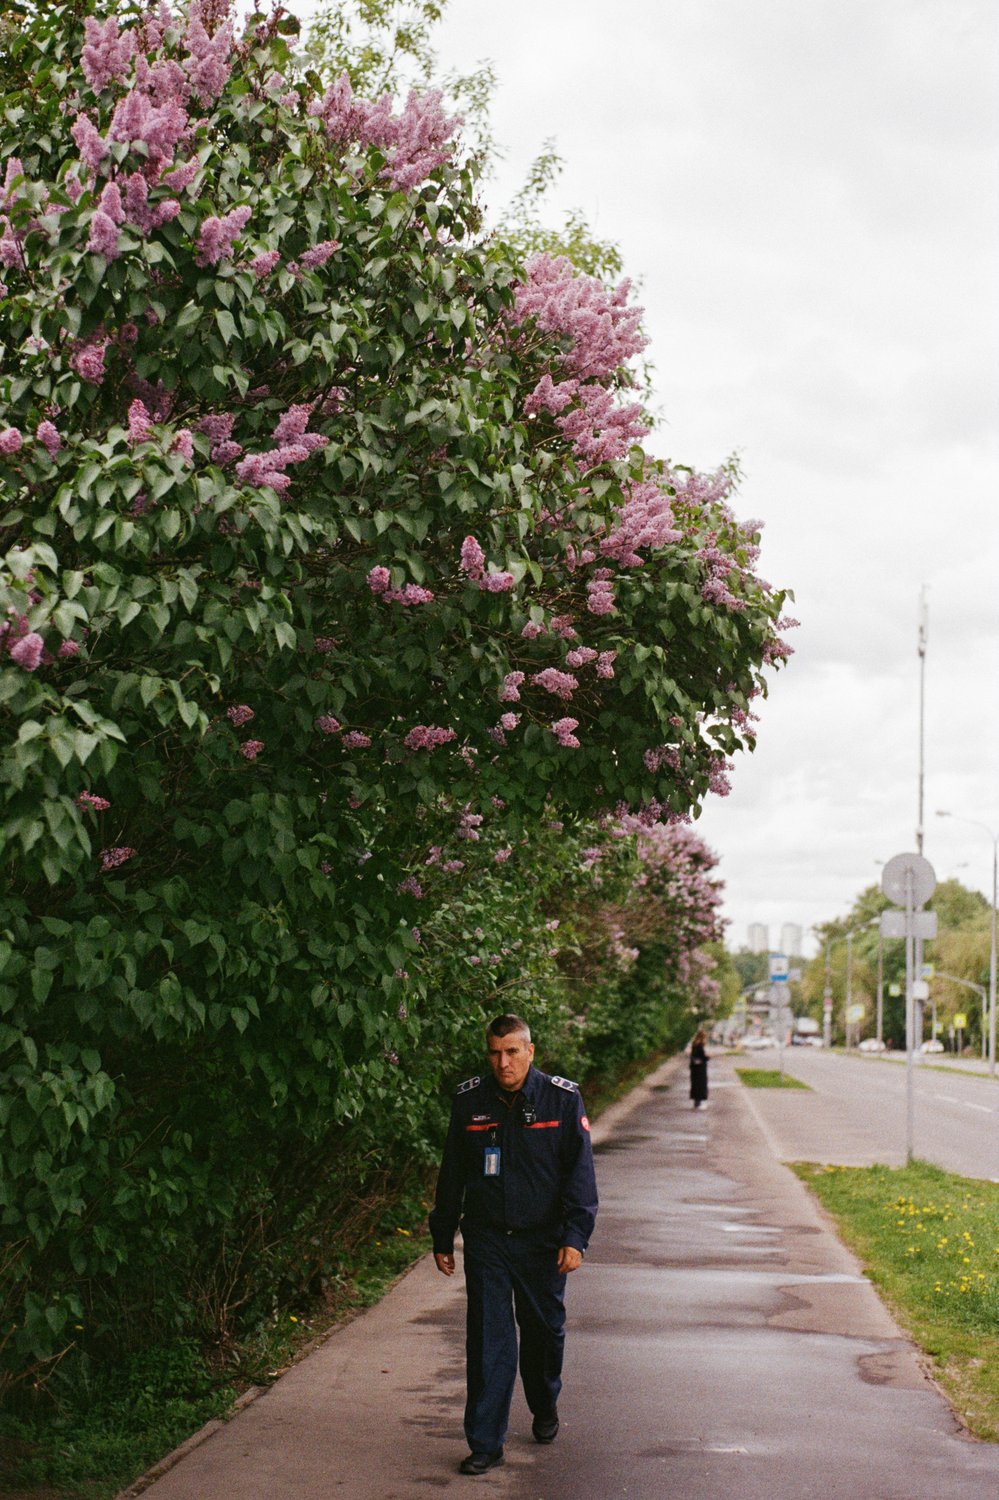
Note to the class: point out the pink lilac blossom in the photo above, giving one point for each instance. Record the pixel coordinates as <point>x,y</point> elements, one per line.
<point>509,721</point>
<point>472,558</point>
<point>27,652</point>
<point>427,737</point>
<point>645,520</point>
<point>421,141</point>
<point>110,202</point>
<point>415,142</point>
<point>49,438</point>
<point>140,424</point>
<point>411,594</point>
<point>559,684</point>
<point>112,858</point>
<point>497,583</point>
<point>379,579</point>
<point>509,692</point>
<point>562,730</point>
<point>137,210</point>
<point>605,663</point>
<point>89,799</point>
<point>312,259</point>
<point>92,146</point>
<point>11,254</point>
<point>88,361</point>
<point>183,443</point>
<point>262,265</point>
<point>469,824</point>
<point>104,236</point>
<point>562,626</point>
<point>290,429</point>
<point>355,740</point>
<point>326,724</point>
<point>207,63</point>
<point>602,331</point>
<point>600,597</point>
<point>410,887</point>
<point>216,236</point>
<point>160,128</point>
<point>11,441</point>
<point>250,749</point>
<point>107,54</point>
<point>240,713</point>
<point>181,177</point>
<point>581,656</point>
<point>69,648</point>
<point>324,643</point>
<point>532,630</point>
<point>600,431</point>
<point>662,755</point>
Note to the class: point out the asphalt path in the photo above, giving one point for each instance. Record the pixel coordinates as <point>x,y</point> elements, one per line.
<point>722,1344</point>
<point>855,1114</point>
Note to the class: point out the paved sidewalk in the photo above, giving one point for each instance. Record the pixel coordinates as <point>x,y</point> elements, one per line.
<point>722,1344</point>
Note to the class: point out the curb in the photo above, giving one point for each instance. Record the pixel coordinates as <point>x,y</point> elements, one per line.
<point>164,1465</point>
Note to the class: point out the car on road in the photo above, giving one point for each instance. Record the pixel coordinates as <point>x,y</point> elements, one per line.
<point>871,1044</point>
<point>932,1046</point>
<point>757,1043</point>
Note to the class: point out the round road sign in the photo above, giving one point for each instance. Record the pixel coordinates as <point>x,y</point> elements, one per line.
<point>908,876</point>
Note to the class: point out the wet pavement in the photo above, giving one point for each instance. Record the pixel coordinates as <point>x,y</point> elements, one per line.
<point>722,1344</point>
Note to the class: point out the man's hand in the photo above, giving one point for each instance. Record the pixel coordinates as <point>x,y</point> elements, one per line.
<point>445,1264</point>
<point>569,1259</point>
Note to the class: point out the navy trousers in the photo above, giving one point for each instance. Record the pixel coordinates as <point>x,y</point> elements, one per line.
<point>512,1281</point>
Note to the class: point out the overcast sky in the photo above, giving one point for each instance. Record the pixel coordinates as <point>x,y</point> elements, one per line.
<point>808,194</point>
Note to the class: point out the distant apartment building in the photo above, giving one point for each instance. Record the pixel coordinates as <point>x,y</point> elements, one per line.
<point>759,938</point>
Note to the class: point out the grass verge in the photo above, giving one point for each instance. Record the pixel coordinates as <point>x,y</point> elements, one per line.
<point>769,1078</point>
<point>929,1240</point>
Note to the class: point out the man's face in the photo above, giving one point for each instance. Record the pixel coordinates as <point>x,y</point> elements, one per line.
<point>510,1058</point>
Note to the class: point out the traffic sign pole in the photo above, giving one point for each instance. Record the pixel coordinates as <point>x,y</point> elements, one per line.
<point>908,880</point>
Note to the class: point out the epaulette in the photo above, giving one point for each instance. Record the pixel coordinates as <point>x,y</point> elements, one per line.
<point>566,1083</point>
<point>470,1083</point>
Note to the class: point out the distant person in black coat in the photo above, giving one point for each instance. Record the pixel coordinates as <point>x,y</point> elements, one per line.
<point>698,1070</point>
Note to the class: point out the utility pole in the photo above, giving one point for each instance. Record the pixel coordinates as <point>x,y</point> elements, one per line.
<point>924,631</point>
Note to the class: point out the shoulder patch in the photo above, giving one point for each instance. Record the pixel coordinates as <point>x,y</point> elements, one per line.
<point>566,1083</point>
<point>468,1085</point>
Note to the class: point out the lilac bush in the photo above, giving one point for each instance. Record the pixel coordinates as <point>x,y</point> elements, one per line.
<point>303,480</point>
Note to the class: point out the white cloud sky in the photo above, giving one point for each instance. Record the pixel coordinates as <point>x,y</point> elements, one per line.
<point>809,196</point>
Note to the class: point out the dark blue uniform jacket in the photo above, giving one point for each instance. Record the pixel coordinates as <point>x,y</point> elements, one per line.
<point>546,1181</point>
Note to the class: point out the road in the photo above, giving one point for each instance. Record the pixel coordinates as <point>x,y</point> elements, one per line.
<point>856,1112</point>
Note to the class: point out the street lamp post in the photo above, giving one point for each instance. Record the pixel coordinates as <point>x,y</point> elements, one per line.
<point>979,990</point>
<point>827,992</point>
<point>974,823</point>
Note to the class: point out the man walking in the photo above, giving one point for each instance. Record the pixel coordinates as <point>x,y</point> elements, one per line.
<point>517,1173</point>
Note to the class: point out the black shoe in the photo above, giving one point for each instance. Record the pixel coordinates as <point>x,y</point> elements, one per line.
<point>480,1463</point>
<point>545,1429</point>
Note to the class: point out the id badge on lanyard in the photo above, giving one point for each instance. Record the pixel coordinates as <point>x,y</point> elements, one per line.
<point>491,1161</point>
